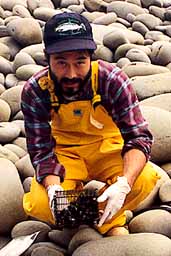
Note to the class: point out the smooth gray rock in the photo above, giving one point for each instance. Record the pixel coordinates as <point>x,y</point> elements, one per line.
<point>22,58</point>
<point>123,8</point>
<point>137,55</point>
<point>106,19</point>
<point>49,248</point>
<point>19,116</point>
<point>91,16</point>
<point>99,31</point>
<point>11,81</point>
<point>16,149</point>
<point>4,51</point>
<point>20,123</point>
<point>114,39</point>
<point>156,36</point>
<point>44,13</point>
<point>43,250</point>
<point>160,101</point>
<point>149,20</point>
<point>28,227</point>
<point>40,59</point>
<point>166,166</point>
<point>140,27</point>
<point>83,236</point>
<point>123,49</point>
<point>21,11</point>
<point>151,85</point>
<point>32,50</point>
<point>135,69</point>
<point>5,66</point>
<point>123,62</point>
<point>26,71</point>
<point>25,167</point>
<point>123,22</point>
<point>104,53</point>
<point>13,97</point>
<point>33,4</point>
<point>95,5</point>
<point>2,88</point>
<point>5,111</point>
<point>21,142</point>
<point>159,53</point>
<point>119,37</point>
<point>2,79</point>
<point>67,3</point>
<point>161,131</point>
<point>18,30</point>
<point>165,191</point>
<point>77,8</point>
<point>10,18</point>
<point>11,190</point>
<point>27,184</point>
<point>13,45</point>
<point>62,237</point>
<point>8,154</point>
<point>8,132</point>
<point>146,244</point>
<point>9,4</point>
<point>147,3</point>
<point>157,11</point>
<point>152,221</point>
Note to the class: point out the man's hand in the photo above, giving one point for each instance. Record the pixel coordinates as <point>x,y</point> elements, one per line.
<point>115,196</point>
<point>62,201</point>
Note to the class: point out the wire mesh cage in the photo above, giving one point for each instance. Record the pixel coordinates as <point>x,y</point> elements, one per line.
<point>73,208</point>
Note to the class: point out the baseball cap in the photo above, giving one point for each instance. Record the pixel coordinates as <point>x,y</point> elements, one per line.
<point>68,31</point>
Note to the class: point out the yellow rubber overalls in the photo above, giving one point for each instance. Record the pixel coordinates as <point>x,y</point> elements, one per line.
<point>89,146</point>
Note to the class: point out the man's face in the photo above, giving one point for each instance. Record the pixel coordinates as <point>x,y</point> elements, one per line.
<point>70,70</point>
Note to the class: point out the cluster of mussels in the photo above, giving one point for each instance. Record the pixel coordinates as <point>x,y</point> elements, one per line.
<point>82,208</point>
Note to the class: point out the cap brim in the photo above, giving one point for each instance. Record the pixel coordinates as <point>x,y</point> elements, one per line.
<point>71,45</point>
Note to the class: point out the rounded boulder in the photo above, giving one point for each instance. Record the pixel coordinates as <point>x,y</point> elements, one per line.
<point>146,244</point>
<point>18,29</point>
<point>11,190</point>
<point>161,131</point>
<point>152,221</point>
<point>5,111</point>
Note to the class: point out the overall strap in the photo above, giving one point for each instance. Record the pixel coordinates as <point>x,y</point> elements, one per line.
<point>46,83</point>
<point>94,81</point>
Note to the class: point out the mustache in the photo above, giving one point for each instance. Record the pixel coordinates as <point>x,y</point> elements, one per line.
<point>71,81</point>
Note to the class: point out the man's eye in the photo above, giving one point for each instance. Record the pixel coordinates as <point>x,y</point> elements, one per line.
<point>81,63</point>
<point>61,63</point>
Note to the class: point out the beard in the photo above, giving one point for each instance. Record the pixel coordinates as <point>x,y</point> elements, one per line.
<point>68,91</point>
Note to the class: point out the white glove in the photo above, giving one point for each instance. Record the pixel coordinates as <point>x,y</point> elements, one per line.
<point>62,201</point>
<point>115,196</point>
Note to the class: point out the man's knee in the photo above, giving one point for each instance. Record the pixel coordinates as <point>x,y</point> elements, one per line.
<point>153,195</point>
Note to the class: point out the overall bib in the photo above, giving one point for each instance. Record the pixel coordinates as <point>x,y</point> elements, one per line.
<point>89,146</point>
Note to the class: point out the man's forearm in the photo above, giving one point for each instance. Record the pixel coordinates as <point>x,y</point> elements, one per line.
<point>51,180</point>
<point>134,161</point>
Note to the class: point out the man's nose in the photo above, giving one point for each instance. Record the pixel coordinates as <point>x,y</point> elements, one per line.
<point>71,72</point>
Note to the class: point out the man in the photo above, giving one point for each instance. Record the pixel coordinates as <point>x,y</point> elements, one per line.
<point>83,122</point>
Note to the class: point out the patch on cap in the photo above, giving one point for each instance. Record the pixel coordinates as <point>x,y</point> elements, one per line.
<point>70,27</point>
